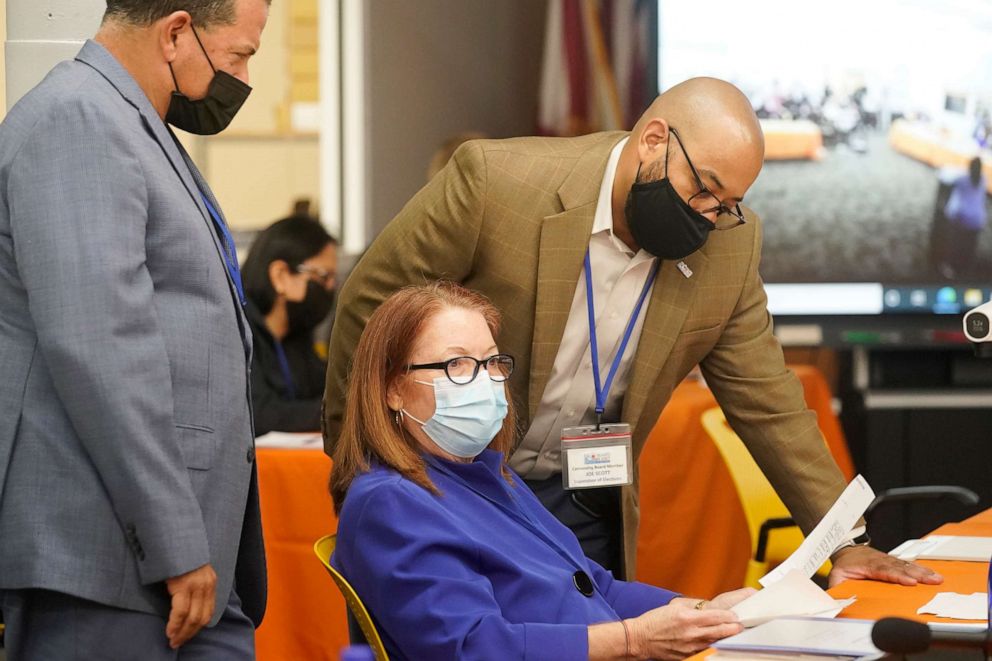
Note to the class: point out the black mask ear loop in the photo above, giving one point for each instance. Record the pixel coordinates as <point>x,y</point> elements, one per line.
<point>197,35</point>
<point>209,61</point>
<point>668,143</point>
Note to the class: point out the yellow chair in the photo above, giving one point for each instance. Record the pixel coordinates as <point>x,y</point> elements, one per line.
<point>763,509</point>
<point>323,548</point>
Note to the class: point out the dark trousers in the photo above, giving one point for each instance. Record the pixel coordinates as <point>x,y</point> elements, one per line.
<point>50,626</point>
<point>592,514</point>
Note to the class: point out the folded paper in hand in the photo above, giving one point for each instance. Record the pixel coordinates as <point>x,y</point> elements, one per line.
<point>793,595</point>
<point>830,532</point>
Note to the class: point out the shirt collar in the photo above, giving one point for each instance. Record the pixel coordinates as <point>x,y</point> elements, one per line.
<point>603,220</point>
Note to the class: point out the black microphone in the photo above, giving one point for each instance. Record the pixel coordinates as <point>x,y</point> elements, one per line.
<point>898,636</point>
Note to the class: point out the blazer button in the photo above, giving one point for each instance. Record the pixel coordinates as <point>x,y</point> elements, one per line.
<point>251,455</point>
<point>582,583</point>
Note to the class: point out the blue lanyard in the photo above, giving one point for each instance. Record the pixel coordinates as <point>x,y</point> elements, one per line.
<point>602,390</point>
<point>230,252</point>
<point>287,376</point>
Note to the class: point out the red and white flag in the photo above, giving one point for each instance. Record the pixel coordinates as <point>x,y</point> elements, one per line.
<point>594,72</point>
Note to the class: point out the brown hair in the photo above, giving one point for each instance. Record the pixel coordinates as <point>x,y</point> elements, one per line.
<point>204,13</point>
<point>369,430</point>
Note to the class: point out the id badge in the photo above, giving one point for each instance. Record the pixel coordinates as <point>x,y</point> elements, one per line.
<point>593,458</point>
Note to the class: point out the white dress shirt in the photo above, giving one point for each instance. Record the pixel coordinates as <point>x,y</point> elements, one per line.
<point>569,399</point>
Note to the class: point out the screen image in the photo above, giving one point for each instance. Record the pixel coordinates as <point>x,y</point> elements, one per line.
<point>878,135</point>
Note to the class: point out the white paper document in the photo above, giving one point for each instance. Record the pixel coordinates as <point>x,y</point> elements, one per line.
<point>805,635</point>
<point>279,439</point>
<point>945,547</point>
<point>794,595</point>
<point>956,606</point>
<point>834,528</point>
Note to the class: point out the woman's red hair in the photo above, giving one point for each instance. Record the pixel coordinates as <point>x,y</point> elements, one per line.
<point>369,428</point>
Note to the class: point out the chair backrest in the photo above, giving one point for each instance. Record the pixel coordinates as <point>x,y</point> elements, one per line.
<point>758,499</point>
<point>324,548</point>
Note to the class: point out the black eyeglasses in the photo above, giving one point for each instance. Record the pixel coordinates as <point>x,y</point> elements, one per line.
<point>462,370</point>
<point>727,218</point>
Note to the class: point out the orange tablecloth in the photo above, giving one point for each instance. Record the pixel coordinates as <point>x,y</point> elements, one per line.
<point>878,600</point>
<point>693,537</point>
<point>305,618</point>
<point>924,143</point>
<point>791,139</point>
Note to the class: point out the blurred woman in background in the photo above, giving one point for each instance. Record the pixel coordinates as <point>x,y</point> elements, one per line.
<point>289,278</point>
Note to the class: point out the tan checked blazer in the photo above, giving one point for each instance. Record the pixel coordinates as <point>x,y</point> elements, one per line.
<point>512,219</point>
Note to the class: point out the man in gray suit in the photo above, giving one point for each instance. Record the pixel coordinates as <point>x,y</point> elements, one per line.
<point>129,522</point>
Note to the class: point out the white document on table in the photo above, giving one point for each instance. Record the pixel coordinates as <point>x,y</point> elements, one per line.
<point>834,528</point>
<point>805,635</point>
<point>945,547</point>
<point>279,439</point>
<point>957,606</point>
<point>793,595</point>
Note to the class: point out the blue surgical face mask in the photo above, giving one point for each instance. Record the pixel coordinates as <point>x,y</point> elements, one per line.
<point>466,417</point>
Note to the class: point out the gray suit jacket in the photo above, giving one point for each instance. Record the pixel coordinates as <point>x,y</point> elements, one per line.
<point>126,444</point>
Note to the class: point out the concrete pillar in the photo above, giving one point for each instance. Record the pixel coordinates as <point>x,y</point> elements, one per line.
<point>42,33</point>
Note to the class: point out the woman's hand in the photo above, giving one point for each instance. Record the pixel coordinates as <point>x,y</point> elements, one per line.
<point>679,630</point>
<point>728,600</point>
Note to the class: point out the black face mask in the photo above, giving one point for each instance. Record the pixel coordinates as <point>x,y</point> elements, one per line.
<point>313,309</point>
<point>661,221</point>
<point>214,112</point>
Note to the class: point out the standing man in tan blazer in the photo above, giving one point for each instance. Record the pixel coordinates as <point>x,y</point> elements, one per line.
<point>516,219</point>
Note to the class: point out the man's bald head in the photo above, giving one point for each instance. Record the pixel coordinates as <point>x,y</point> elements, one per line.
<point>707,106</point>
<point>718,131</point>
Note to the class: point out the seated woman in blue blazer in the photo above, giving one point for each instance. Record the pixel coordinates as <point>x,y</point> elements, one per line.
<point>452,554</point>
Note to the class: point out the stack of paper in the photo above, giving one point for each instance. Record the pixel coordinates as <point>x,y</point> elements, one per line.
<point>805,635</point>
<point>795,595</point>
<point>945,547</point>
<point>278,439</point>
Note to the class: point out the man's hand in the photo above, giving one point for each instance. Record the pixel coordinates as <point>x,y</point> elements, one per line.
<point>865,562</point>
<point>193,596</point>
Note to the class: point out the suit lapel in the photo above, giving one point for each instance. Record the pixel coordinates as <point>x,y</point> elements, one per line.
<point>96,56</point>
<point>100,59</point>
<point>564,239</point>
<point>671,299</point>
<point>201,185</point>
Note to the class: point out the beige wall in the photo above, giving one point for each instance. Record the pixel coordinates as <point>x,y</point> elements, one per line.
<point>441,67</point>
<point>258,166</point>
<point>3,58</point>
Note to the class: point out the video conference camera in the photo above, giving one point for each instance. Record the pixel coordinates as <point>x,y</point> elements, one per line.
<point>978,329</point>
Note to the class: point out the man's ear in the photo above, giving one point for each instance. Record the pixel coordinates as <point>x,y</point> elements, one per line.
<point>167,31</point>
<point>653,140</point>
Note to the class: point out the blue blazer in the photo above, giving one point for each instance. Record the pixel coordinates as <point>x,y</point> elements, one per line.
<point>483,570</point>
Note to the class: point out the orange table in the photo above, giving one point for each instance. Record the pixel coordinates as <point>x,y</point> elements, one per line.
<point>790,139</point>
<point>305,618</point>
<point>878,600</point>
<point>937,148</point>
<point>693,537</point>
